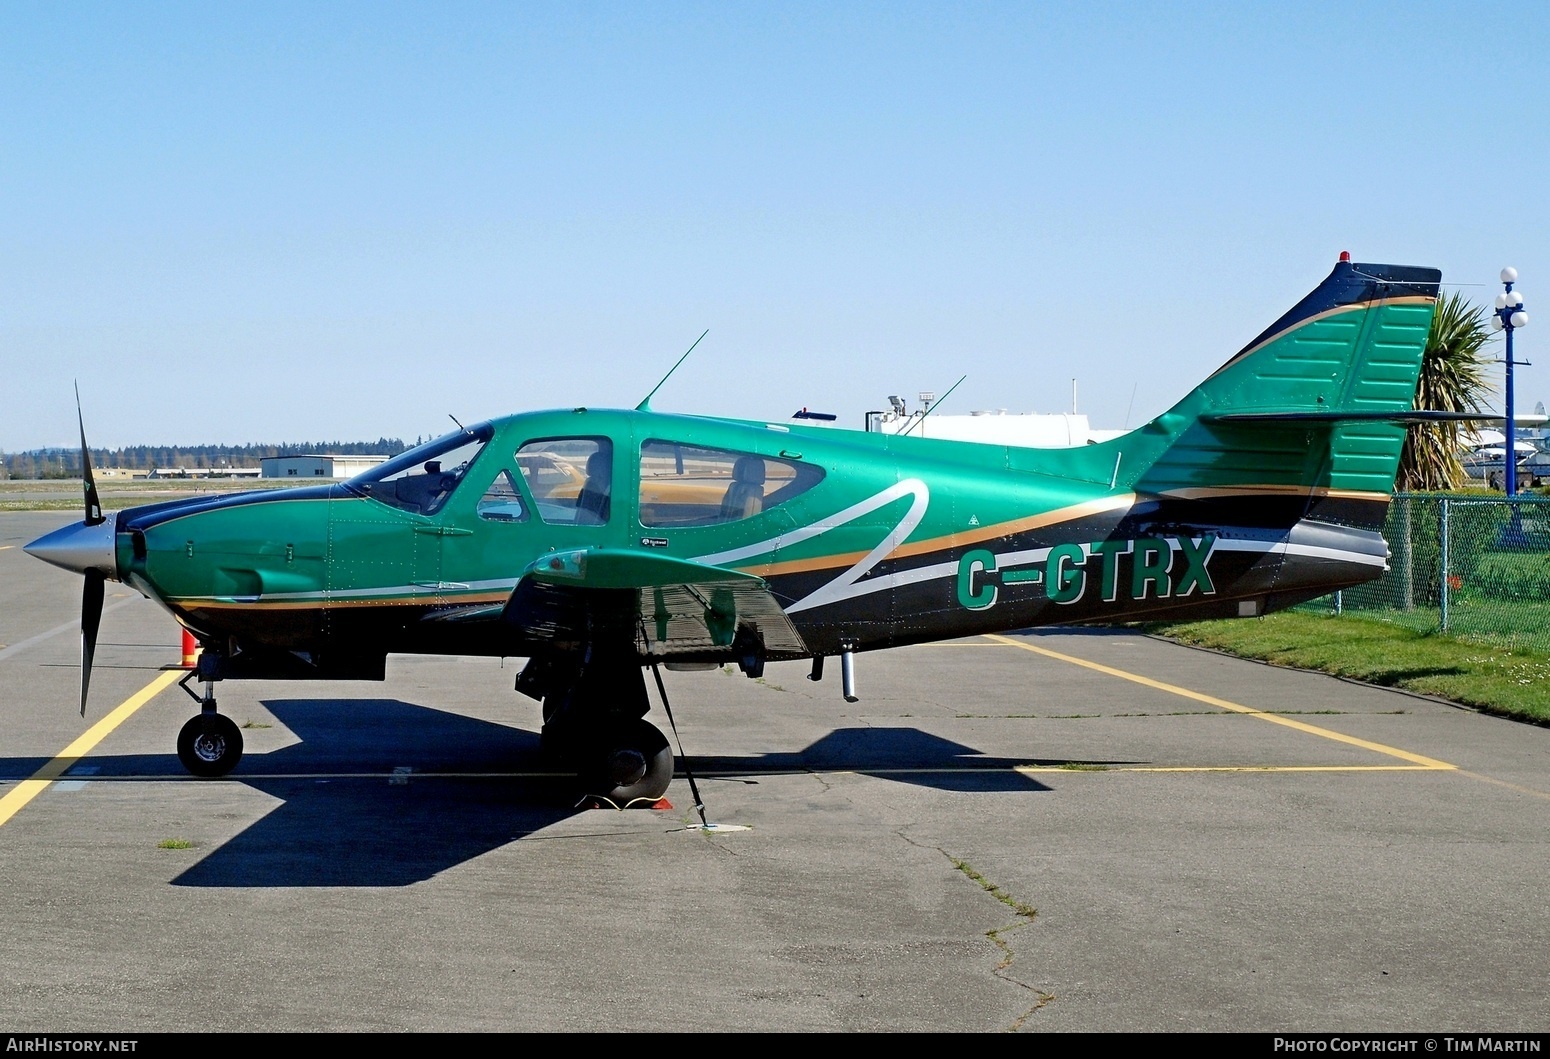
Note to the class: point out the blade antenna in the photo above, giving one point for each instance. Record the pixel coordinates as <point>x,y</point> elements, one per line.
<point>645,405</point>
<point>933,407</point>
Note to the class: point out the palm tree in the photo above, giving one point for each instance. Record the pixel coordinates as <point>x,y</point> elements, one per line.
<point>1453,379</point>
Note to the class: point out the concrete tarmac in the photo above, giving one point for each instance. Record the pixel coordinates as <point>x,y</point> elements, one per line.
<point>1051,831</point>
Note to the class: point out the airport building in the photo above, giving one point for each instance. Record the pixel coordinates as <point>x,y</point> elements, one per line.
<point>994,427</point>
<point>317,466</point>
<point>181,472</point>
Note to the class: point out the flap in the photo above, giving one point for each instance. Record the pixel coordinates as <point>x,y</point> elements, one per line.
<point>669,607</point>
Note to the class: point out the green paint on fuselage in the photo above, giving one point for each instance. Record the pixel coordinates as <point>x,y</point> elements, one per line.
<point>970,502</point>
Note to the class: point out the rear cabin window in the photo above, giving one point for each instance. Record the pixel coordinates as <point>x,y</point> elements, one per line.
<point>689,485</point>
<point>569,479</point>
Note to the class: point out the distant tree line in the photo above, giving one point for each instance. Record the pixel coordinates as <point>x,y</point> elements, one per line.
<point>66,463</point>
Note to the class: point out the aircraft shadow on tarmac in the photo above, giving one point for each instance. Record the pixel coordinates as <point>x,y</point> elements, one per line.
<point>381,792</point>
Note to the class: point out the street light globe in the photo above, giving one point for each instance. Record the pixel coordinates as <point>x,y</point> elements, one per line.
<point>1520,319</point>
<point>1496,323</point>
<point>1514,299</point>
<point>1509,275</point>
<point>1501,301</point>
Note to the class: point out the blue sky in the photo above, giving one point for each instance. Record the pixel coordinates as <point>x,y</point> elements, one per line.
<point>289,222</point>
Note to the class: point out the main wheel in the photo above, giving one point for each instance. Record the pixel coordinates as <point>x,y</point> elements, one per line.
<point>210,745</point>
<point>558,739</point>
<point>632,762</point>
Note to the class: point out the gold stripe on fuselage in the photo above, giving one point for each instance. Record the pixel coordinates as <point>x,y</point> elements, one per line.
<point>428,599</point>
<point>946,542</point>
<point>956,539</point>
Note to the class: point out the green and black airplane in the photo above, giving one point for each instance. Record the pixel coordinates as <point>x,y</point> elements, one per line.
<point>598,543</point>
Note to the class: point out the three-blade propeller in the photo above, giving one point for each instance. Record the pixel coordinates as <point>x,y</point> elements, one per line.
<point>92,592</point>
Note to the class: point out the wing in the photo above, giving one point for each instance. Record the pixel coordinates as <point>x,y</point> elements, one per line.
<point>671,608</point>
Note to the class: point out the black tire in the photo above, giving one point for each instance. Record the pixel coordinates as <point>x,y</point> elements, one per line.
<point>633,762</point>
<point>557,739</point>
<point>210,745</point>
<point>557,745</point>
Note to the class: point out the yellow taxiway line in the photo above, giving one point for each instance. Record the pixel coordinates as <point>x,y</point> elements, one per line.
<point>1028,770</point>
<point>30,788</point>
<point>1417,760</point>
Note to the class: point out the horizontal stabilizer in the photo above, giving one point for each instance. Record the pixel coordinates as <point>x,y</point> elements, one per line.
<point>1417,415</point>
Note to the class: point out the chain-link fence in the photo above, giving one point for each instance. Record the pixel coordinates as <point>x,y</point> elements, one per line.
<point>1474,568</point>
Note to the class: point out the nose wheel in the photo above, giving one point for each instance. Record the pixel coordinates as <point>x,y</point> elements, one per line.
<point>210,744</point>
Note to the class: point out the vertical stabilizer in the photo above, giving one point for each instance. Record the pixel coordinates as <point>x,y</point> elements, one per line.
<point>1318,382</point>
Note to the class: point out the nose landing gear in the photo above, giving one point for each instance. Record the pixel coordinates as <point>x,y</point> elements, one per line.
<point>209,744</point>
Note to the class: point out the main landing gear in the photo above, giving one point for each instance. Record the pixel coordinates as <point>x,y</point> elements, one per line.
<point>629,764</point>
<point>594,722</point>
<point>210,744</point>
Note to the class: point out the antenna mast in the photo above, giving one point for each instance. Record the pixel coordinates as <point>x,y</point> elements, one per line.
<point>645,404</point>
<point>932,406</point>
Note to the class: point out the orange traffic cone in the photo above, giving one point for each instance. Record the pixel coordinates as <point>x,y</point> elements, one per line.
<point>190,650</point>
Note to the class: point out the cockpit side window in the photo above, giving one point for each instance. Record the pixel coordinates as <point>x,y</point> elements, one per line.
<point>422,479</point>
<point>569,479</point>
<point>691,485</point>
<point>502,501</point>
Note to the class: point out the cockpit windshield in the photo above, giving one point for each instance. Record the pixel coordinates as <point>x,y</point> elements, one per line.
<point>422,479</point>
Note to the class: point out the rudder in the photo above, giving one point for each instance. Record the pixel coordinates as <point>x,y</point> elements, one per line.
<point>1297,417</point>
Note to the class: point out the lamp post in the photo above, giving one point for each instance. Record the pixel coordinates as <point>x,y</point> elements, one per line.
<point>1510,316</point>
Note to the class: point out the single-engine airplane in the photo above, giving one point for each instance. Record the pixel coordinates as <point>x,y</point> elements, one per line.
<point>598,543</point>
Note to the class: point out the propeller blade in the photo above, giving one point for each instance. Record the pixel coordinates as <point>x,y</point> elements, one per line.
<point>91,619</point>
<point>94,514</point>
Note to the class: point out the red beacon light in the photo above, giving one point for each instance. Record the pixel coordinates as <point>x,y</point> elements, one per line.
<point>1345,255</point>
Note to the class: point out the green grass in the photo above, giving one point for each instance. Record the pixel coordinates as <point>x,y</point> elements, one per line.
<point>1023,909</point>
<point>174,843</point>
<point>1510,681</point>
<point>1472,617</point>
<point>1501,565</point>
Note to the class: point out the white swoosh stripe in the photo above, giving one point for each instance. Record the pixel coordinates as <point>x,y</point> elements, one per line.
<point>1036,555</point>
<point>843,586</point>
<point>505,583</point>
